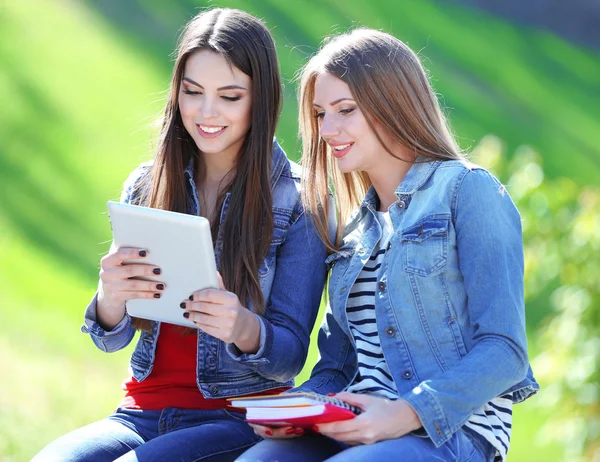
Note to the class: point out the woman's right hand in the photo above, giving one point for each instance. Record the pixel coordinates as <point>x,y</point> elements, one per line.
<point>119,282</point>
<point>276,432</point>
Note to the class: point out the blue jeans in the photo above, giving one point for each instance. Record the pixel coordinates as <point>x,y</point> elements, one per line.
<point>131,435</point>
<point>410,448</point>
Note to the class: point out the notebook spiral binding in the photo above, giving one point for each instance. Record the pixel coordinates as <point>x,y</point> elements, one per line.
<point>337,402</point>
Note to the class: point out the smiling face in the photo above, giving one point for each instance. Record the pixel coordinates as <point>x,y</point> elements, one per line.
<point>215,104</point>
<point>344,128</point>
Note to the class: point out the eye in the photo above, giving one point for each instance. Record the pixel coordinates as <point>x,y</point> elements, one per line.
<point>190,92</point>
<point>231,98</point>
<point>347,110</point>
<point>319,115</point>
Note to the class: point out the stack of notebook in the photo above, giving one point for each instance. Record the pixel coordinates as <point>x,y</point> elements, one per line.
<point>297,409</point>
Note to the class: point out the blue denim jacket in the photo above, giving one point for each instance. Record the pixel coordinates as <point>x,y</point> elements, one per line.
<point>449,303</point>
<point>292,278</point>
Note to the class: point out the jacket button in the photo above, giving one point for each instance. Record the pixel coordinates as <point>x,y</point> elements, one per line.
<point>401,204</point>
<point>381,286</point>
<point>390,331</point>
<point>407,374</point>
<point>214,389</point>
<point>211,360</point>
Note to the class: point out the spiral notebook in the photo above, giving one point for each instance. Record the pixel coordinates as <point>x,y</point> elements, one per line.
<point>299,409</point>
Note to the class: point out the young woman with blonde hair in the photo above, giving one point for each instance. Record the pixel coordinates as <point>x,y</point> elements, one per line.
<point>425,329</point>
<point>216,158</point>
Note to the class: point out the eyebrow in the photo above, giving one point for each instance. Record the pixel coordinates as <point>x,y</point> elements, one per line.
<point>337,101</point>
<point>226,87</point>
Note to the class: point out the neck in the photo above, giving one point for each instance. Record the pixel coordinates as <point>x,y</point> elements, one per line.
<point>213,174</point>
<point>386,178</point>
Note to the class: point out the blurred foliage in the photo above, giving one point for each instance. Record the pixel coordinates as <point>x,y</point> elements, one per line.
<point>82,80</point>
<point>561,223</point>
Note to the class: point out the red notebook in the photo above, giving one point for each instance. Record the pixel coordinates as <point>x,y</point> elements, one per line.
<point>297,409</point>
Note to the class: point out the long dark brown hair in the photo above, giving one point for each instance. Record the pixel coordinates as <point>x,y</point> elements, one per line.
<point>390,86</point>
<point>245,42</point>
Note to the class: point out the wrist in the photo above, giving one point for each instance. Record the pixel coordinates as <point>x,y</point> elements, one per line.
<point>249,339</point>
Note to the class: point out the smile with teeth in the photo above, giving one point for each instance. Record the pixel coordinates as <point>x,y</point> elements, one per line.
<point>340,150</point>
<point>206,129</point>
<point>341,147</point>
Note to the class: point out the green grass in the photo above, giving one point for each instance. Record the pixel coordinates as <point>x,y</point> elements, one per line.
<point>79,91</point>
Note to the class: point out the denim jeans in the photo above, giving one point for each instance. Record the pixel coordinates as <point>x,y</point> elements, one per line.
<point>461,447</point>
<point>170,435</point>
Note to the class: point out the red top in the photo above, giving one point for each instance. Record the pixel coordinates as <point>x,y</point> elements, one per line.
<point>172,382</point>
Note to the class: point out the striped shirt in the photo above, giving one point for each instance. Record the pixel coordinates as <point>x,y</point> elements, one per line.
<point>493,421</point>
<point>374,376</point>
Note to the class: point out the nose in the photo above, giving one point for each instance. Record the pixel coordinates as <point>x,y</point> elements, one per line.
<point>329,127</point>
<point>209,109</point>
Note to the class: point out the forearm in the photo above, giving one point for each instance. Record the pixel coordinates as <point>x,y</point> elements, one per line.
<point>445,402</point>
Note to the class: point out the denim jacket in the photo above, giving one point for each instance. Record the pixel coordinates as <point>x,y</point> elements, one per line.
<point>292,278</point>
<point>449,303</point>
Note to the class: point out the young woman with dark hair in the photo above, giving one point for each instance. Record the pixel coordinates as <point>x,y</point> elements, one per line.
<point>217,158</point>
<point>425,328</point>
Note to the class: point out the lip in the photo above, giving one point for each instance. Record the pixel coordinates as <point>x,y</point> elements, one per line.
<point>343,152</point>
<point>207,135</point>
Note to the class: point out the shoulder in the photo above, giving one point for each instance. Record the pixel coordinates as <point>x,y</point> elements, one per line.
<point>136,183</point>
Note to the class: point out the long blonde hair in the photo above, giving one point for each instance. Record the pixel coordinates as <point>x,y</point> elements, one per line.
<point>390,86</point>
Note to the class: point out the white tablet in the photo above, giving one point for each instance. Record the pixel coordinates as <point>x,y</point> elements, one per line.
<point>180,245</point>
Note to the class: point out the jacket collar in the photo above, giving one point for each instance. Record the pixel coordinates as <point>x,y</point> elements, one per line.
<point>415,178</point>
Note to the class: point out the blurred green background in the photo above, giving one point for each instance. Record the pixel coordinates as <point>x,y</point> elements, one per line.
<point>81,85</point>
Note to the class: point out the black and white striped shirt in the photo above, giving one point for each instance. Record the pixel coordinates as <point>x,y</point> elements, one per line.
<point>493,421</point>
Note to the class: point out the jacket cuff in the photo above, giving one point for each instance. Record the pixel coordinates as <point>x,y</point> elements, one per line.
<point>423,402</point>
<point>92,327</point>
<point>251,358</point>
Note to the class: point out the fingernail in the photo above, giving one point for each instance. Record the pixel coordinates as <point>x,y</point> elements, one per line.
<point>289,431</point>
<point>191,297</point>
<point>299,431</point>
<point>142,253</point>
<point>155,270</point>
<point>315,428</point>
<point>269,432</point>
<point>160,286</point>
<point>330,394</point>
<point>186,314</point>
<point>182,305</point>
<point>156,295</point>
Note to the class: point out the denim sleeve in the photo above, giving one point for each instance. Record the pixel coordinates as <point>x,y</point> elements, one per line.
<point>292,306</point>
<point>490,252</point>
<point>337,362</point>
<point>120,336</point>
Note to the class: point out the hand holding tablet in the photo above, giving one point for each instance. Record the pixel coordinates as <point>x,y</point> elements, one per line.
<point>179,244</point>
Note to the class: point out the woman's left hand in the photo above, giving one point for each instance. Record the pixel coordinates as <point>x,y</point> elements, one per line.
<point>380,420</point>
<point>219,313</point>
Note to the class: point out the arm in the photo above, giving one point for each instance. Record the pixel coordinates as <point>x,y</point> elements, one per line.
<point>490,252</point>
<point>292,305</point>
<point>105,319</point>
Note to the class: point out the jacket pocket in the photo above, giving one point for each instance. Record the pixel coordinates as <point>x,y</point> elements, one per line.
<point>425,246</point>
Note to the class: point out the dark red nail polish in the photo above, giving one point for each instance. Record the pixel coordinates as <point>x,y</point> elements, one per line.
<point>182,305</point>
<point>289,431</point>
<point>186,315</point>
<point>315,428</point>
<point>191,297</point>
<point>156,270</point>
<point>142,253</point>
<point>156,295</point>
<point>299,431</point>
<point>269,432</point>
<point>330,394</point>
<point>160,286</point>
